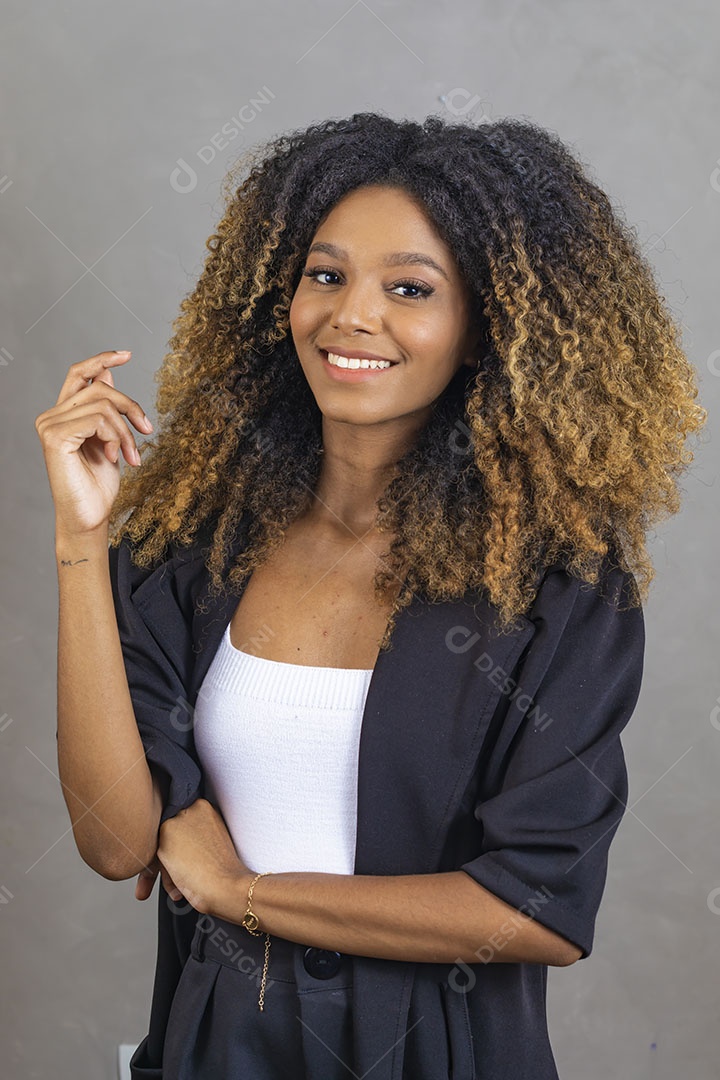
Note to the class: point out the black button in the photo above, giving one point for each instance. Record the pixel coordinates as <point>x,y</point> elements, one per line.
<point>322,963</point>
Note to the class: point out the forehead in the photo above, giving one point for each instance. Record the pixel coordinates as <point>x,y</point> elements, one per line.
<point>381,201</point>
<point>382,221</point>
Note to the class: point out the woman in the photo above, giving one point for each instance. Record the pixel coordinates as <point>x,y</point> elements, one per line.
<point>353,672</point>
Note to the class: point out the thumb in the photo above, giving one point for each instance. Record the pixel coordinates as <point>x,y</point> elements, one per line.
<point>146,880</point>
<point>105,376</point>
<point>170,887</point>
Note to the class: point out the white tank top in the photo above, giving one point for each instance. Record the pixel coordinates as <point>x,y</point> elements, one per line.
<point>278,744</point>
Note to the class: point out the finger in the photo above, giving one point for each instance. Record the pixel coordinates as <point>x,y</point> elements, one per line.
<point>124,404</point>
<point>146,879</point>
<point>169,885</point>
<point>174,893</point>
<point>112,404</point>
<point>105,376</point>
<point>144,885</point>
<point>96,419</point>
<point>95,367</point>
<point>89,422</point>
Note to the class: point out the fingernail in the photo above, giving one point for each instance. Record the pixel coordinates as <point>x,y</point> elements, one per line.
<point>123,352</point>
<point>147,420</point>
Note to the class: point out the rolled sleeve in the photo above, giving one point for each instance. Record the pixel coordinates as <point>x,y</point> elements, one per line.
<point>157,686</point>
<point>546,830</point>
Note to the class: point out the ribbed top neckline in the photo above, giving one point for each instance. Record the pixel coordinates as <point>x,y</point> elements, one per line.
<point>241,673</point>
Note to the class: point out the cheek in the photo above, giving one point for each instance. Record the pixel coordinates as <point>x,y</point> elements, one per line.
<point>303,313</point>
<point>294,312</point>
<point>431,333</point>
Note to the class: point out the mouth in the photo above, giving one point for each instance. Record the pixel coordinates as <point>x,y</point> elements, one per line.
<point>354,369</point>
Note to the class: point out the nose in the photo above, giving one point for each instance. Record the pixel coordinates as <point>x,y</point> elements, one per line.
<point>356,307</point>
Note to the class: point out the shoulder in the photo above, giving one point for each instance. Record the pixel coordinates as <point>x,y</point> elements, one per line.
<point>175,553</point>
<point>615,582</point>
<point>586,614</point>
<point>133,579</point>
<point>181,574</point>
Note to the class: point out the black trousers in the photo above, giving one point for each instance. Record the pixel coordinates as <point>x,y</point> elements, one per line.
<point>217,1030</point>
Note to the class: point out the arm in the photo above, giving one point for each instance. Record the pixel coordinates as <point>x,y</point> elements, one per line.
<point>438,918</point>
<point>113,801</point>
<point>107,786</point>
<point>543,831</point>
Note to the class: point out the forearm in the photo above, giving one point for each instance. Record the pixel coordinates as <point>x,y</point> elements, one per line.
<point>107,785</point>
<point>436,918</point>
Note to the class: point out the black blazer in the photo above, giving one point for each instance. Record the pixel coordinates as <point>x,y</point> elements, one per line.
<point>499,755</point>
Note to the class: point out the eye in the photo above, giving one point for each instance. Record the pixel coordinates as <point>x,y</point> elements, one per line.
<point>423,289</point>
<point>315,273</point>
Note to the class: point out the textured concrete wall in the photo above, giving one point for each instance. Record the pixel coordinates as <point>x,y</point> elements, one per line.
<point>109,181</point>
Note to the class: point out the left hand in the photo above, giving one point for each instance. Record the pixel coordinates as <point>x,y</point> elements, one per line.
<point>196,852</point>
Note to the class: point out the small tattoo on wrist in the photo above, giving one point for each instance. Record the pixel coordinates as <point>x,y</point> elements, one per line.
<point>69,562</point>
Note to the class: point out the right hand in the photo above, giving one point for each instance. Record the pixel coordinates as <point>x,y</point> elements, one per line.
<point>146,880</point>
<point>81,436</point>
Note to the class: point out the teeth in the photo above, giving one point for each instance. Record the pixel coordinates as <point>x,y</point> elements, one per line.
<point>354,362</point>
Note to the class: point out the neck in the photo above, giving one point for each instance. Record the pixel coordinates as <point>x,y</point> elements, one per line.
<point>358,462</point>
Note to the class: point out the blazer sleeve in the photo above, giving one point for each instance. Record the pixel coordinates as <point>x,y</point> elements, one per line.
<point>157,684</point>
<point>547,827</point>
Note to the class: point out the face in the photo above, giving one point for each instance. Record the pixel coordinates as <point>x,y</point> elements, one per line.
<point>357,297</point>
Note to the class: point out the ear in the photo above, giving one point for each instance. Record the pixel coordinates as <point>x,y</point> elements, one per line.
<point>475,350</point>
<point>478,347</point>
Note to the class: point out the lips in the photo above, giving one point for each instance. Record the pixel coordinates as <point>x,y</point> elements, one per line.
<point>355,374</point>
<point>360,354</point>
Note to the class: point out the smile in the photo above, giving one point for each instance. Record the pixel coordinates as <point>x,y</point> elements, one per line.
<point>354,363</point>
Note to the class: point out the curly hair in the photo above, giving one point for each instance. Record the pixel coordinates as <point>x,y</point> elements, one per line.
<point>566,444</point>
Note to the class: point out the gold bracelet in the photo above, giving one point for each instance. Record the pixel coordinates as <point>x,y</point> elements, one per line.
<point>251,923</point>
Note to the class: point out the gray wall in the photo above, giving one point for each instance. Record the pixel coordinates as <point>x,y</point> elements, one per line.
<point>102,104</point>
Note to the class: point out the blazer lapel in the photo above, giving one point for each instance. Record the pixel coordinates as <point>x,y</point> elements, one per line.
<point>428,707</point>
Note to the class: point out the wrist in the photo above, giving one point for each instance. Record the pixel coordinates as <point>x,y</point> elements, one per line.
<point>251,920</point>
<point>69,544</point>
<point>230,893</point>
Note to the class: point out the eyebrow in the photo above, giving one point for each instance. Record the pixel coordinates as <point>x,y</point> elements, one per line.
<point>398,258</point>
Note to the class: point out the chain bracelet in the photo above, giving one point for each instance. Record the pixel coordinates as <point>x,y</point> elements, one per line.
<point>251,923</point>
